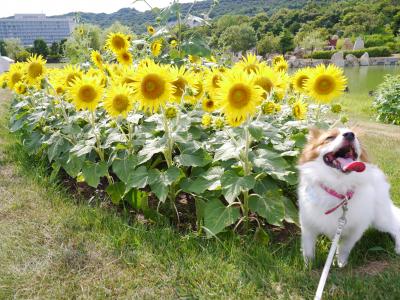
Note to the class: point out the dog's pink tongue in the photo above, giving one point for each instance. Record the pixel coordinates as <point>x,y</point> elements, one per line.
<point>348,164</point>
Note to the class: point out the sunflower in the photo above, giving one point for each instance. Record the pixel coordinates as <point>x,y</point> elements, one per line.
<point>325,83</point>
<point>156,47</point>
<point>117,42</point>
<point>71,73</point>
<point>126,76</point>
<point>173,43</point>
<point>15,74</point>
<point>250,63</point>
<point>97,59</point>
<point>299,79</point>
<point>194,59</point>
<point>153,86</point>
<point>151,30</point>
<point>119,100</point>
<point>206,120</point>
<point>299,110</point>
<point>212,81</point>
<point>35,68</point>
<point>266,78</point>
<point>281,66</point>
<point>268,107</point>
<point>86,92</point>
<point>277,59</point>
<point>198,90</point>
<point>184,80</point>
<point>209,104</point>
<point>99,74</point>
<point>238,97</point>
<point>20,88</point>
<point>3,80</point>
<point>125,58</point>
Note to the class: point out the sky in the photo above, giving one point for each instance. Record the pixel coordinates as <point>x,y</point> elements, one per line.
<point>58,7</point>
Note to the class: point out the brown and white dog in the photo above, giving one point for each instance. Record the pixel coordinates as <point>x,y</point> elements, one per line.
<point>334,165</point>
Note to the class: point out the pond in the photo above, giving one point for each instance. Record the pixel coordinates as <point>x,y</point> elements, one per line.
<point>361,80</point>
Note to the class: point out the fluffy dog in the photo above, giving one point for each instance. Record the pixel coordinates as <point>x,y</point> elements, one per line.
<point>332,167</point>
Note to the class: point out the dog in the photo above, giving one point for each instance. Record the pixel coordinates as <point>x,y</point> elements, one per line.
<point>327,176</point>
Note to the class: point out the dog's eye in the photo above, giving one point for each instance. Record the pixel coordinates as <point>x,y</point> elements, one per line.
<point>330,138</point>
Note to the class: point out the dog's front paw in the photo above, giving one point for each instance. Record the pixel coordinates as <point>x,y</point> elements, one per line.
<point>341,263</point>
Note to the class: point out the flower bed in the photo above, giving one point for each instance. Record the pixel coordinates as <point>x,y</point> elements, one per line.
<point>139,125</point>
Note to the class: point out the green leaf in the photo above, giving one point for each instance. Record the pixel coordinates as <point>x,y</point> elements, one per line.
<point>270,207</point>
<point>199,158</point>
<point>73,165</point>
<point>92,172</point>
<point>116,191</point>
<point>141,177</point>
<point>160,186</point>
<point>232,185</point>
<point>150,148</point>
<point>208,180</point>
<point>196,46</point>
<point>291,212</point>
<point>33,142</point>
<point>83,147</point>
<point>217,216</point>
<point>114,137</point>
<point>58,146</point>
<point>227,151</point>
<point>124,167</point>
<point>264,185</point>
<point>138,199</point>
<point>256,130</point>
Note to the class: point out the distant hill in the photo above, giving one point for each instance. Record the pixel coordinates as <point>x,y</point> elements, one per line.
<point>137,20</point>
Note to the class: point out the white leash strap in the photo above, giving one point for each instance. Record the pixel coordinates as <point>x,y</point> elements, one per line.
<point>328,263</point>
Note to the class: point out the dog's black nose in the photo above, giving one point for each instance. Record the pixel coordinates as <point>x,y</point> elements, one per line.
<point>349,136</point>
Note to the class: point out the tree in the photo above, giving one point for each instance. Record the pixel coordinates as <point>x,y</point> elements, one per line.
<point>269,43</point>
<point>286,41</point>
<point>55,49</point>
<point>239,38</point>
<point>3,51</point>
<point>312,40</point>
<point>396,24</point>
<point>84,36</point>
<point>40,47</point>
<point>13,47</point>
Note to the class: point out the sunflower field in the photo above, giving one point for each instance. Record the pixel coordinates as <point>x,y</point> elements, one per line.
<point>151,122</point>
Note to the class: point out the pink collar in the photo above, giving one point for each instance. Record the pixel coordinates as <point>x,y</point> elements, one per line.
<point>335,194</point>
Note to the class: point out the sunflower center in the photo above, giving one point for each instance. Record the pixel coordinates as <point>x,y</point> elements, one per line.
<point>152,86</point>
<point>209,104</point>
<point>16,77</point>
<point>87,93</point>
<point>35,69</point>
<point>120,102</point>
<point>118,42</point>
<point>180,85</point>
<point>239,96</point>
<point>126,57</point>
<point>59,90</point>
<point>324,84</point>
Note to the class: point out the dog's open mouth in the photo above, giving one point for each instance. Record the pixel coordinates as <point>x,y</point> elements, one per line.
<point>343,159</point>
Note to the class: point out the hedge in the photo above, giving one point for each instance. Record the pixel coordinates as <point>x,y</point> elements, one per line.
<point>373,52</point>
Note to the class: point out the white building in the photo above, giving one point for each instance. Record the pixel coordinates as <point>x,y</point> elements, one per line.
<point>29,27</point>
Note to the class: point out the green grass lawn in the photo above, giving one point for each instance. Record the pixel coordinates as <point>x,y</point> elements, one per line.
<point>55,246</point>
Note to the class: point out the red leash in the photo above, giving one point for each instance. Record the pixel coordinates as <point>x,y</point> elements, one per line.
<point>335,194</point>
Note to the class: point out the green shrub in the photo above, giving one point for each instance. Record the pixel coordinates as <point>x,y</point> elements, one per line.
<point>22,56</point>
<point>376,40</point>
<point>387,100</point>
<point>373,52</point>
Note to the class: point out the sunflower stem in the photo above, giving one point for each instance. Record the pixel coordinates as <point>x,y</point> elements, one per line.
<point>247,171</point>
<point>98,149</point>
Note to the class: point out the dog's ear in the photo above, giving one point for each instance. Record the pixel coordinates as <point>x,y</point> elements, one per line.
<point>313,133</point>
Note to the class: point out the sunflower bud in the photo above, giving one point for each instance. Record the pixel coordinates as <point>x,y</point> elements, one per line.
<point>219,123</point>
<point>336,108</point>
<point>268,108</point>
<point>206,120</point>
<point>170,112</point>
<point>344,119</point>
